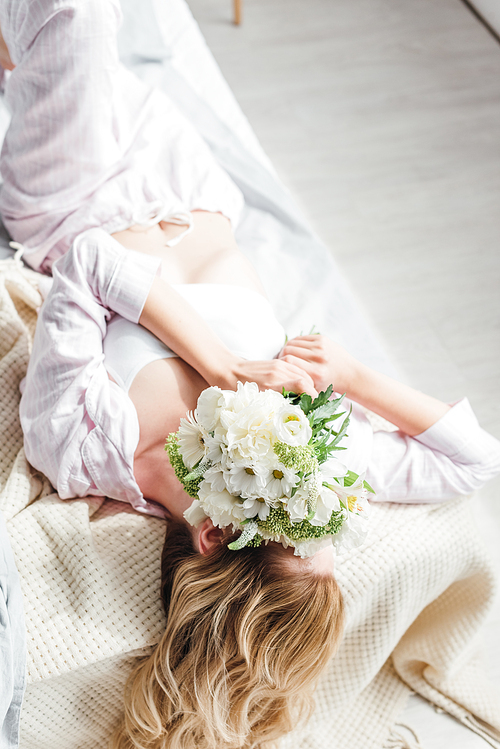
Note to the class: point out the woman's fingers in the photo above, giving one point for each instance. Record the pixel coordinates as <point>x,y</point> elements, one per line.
<point>290,376</point>
<point>275,375</point>
<point>310,341</point>
<point>312,348</point>
<point>300,362</point>
<point>314,364</point>
<point>324,360</point>
<point>302,385</point>
<point>300,352</point>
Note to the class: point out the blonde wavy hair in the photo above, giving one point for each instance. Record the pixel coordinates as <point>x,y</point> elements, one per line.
<point>248,634</point>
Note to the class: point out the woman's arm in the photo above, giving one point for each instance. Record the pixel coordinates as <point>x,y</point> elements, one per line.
<point>438,452</point>
<point>326,362</point>
<point>452,457</point>
<point>80,428</point>
<point>167,314</point>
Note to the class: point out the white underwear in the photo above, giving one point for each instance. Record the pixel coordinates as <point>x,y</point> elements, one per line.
<point>242,318</point>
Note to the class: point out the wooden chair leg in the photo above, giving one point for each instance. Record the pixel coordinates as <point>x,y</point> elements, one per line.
<point>237,4</point>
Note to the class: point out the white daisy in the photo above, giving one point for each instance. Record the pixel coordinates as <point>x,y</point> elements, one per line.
<point>191,438</point>
<point>215,477</point>
<point>256,506</point>
<point>245,480</point>
<point>280,481</point>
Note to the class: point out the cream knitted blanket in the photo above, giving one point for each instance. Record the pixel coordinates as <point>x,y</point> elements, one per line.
<point>416,594</point>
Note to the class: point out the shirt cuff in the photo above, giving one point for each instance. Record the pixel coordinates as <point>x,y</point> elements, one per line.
<point>131,282</point>
<point>458,435</point>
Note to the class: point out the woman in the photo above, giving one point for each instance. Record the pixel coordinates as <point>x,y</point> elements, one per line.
<point>248,633</point>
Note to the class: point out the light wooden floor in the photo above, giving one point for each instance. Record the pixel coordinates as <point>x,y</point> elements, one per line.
<point>383,118</point>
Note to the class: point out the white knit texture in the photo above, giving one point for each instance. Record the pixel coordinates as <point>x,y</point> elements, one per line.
<point>416,594</point>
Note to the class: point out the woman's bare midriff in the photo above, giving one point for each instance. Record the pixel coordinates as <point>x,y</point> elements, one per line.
<point>164,390</point>
<point>208,254</point>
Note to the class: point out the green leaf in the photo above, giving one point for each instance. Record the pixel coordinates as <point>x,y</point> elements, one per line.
<point>198,471</point>
<point>367,486</point>
<point>305,403</point>
<point>323,397</point>
<point>343,430</point>
<point>294,398</point>
<point>327,413</point>
<point>330,486</point>
<point>350,478</point>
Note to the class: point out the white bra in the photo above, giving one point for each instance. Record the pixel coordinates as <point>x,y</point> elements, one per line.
<point>242,318</point>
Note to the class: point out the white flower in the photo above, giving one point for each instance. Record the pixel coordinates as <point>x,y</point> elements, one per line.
<point>355,526</point>
<point>234,433</point>
<point>280,481</point>
<point>248,394</point>
<point>215,477</point>
<point>352,497</point>
<point>292,425</point>
<point>221,507</point>
<point>210,403</point>
<point>191,438</point>
<point>353,531</point>
<point>310,547</point>
<point>277,537</point>
<point>256,506</point>
<point>215,446</point>
<point>332,469</point>
<point>251,435</point>
<point>195,513</point>
<point>328,501</point>
<point>297,505</point>
<point>245,480</point>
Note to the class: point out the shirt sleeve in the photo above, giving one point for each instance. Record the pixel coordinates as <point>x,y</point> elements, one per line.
<point>80,428</point>
<point>454,456</point>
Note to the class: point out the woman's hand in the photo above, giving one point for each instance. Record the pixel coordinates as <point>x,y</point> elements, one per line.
<point>275,374</point>
<point>174,321</point>
<point>324,361</point>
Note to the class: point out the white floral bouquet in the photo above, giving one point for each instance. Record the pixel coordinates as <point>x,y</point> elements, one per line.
<point>262,463</point>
